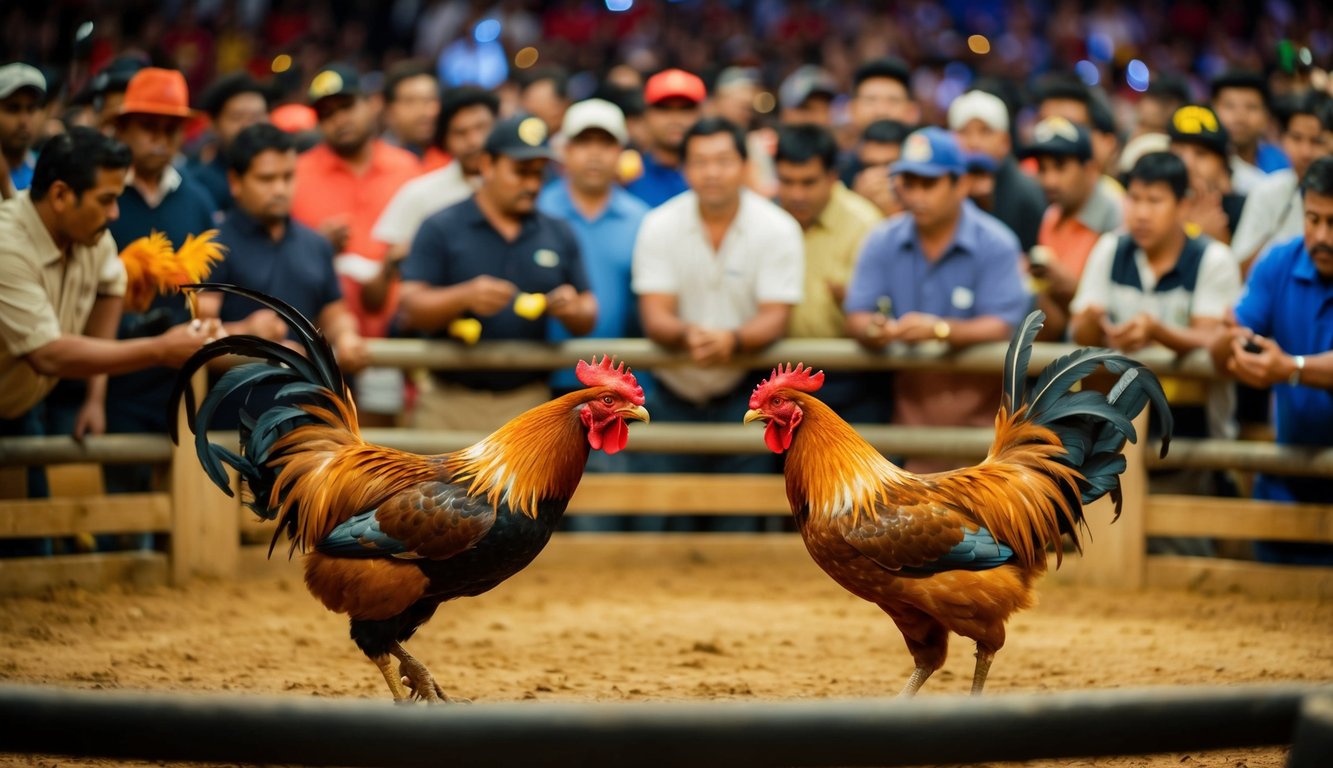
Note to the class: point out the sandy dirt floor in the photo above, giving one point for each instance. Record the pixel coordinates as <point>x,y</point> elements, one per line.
<point>684,618</point>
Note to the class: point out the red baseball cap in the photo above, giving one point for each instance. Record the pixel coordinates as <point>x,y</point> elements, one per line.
<point>673,83</point>
<point>157,91</point>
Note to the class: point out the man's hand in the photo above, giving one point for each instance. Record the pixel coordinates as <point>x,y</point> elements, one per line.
<point>709,346</point>
<point>90,420</point>
<point>179,342</point>
<point>837,290</point>
<point>563,303</point>
<point>337,231</point>
<point>1269,366</point>
<point>352,353</point>
<point>915,327</point>
<point>1130,336</point>
<point>873,184</point>
<point>489,294</point>
<point>265,324</point>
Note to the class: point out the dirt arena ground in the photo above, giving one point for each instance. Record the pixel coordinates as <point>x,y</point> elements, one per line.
<point>598,619</point>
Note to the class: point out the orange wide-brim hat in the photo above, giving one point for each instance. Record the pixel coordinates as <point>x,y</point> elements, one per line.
<point>157,91</point>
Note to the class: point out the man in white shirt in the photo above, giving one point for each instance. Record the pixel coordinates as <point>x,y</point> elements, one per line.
<point>1273,212</point>
<point>717,270</point>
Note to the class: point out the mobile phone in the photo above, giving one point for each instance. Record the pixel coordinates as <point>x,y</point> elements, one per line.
<point>1252,347</point>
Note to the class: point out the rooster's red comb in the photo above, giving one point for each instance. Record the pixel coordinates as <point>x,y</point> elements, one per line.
<point>607,374</point>
<point>799,378</point>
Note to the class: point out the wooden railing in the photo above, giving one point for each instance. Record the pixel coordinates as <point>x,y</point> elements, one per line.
<point>207,529</point>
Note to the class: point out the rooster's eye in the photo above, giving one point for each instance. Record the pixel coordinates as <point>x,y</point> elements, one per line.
<point>777,401</point>
<point>608,399</point>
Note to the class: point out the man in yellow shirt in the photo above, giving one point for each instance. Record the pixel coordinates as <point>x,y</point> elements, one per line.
<point>834,220</point>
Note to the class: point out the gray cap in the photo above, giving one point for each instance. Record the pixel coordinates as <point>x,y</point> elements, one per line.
<point>807,81</point>
<point>17,75</point>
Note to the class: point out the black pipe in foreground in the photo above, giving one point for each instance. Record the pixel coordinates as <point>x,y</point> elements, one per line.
<point>922,731</point>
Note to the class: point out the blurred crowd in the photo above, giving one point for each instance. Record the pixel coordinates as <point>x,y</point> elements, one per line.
<point>714,176</point>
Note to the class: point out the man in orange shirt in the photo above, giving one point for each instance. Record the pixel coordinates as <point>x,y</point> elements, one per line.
<point>1080,212</point>
<point>342,185</point>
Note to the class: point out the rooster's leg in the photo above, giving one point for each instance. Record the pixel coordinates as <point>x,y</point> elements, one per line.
<point>984,658</point>
<point>385,665</point>
<point>419,679</point>
<point>914,683</point>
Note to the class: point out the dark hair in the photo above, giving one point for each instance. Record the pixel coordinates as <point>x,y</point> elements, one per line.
<point>886,132</point>
<point>1100,112</point>
<point>802,143</point>
<point>709,126</point>
<point>1063,86</point>
<point>214,98</point>
<point>456,100</point>
<point>630,100</point>
<point>255,139</point>
<point>75,158</point>
<point>1163,167</point>
<point>558,76</point>
<point>1319,177</point>
<point>1170,88</point>
<point>890,67</point>
<point>1308,102</point>
<point>1241,79</point>
<point>401,72</point>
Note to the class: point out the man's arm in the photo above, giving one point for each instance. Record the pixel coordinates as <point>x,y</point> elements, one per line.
<point>375,294</point>
<point>424,307</point>
<point>576,310</point>
<point>1088,327</point>
<point>78,357</point>
<point>101,324</point>
<point>1272,365</point>
<point>661,323</point>
<point>340,327</point>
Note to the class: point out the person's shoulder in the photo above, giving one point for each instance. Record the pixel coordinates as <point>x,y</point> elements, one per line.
<point>196,192</point>
<point>1281,258</point>
<point>1217,254</point>
<point>394,158</point>
<point>673,211</point>
<point>991,233</point>
<point>766,214</point>
<point>452,216</point>
<point>627,204</point>
<point>1271,185</point>
<point>861,210</point>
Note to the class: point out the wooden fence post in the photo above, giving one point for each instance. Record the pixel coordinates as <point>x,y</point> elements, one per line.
<point>205,522</point>
<point>1113,555</point>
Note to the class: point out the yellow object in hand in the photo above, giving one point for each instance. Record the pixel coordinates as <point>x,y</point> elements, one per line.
<point>530,306</point>
<point>466,328</point>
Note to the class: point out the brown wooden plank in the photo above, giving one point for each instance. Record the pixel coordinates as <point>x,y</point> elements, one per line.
<point>34,575</point>
<point>205,532</point>
<point>616,494</point>
<point>1217,576</point>
<point>119,513</point>
<point>1170,515</point>
<point>1113,553</point>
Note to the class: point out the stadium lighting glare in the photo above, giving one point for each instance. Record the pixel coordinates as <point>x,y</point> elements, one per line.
<point>1137,75</point>
<point>525,57</point>
<point>1088,72</point>
<point>764,102</point>
<point>616,6</point>
<point>978,44</point>
<point>281,63</point>
<point>486,31</point>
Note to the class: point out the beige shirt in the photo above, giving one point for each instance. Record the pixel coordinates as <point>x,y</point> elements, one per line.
<point>43,295</point>
<point>832,244</point>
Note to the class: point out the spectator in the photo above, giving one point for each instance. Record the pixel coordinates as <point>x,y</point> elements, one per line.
<point>672,100</point>
<point>882,90</point>
<point>1080,212</point>
<point>1273,212</point>
<point>342,187</point>
<point>806,96</point>
<point>466,117</point>
<point>1241,100</point>
<point>1212,206</point>
<point>269,252</point>
<point>1166,93</point>
<point>605,219</point>
<point>233,103</point>
<point>945,271</point>
<point>411,106</point>
<point>22,96</point>
<point>717,271</point>
<point>545,95</point>
<point>108,87</point>
<point>60,289</point>
<point>1283,314</point>
<point>472,259</point>
<point>835,221</point>
<point>866,171</point>
<point>981,121</point>
<point>734,95</point>
<point>1158,285</point>
<point>1068,97</point>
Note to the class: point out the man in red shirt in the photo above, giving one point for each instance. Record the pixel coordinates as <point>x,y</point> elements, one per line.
<point>342,185</point>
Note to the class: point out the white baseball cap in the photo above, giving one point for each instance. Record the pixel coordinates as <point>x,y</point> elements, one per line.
<point>594,113</point>
<point>978,105</point>
<point>18,75</point>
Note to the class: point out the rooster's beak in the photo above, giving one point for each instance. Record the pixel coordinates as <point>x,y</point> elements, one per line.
<point>638,413</point>
<point>754,414</point>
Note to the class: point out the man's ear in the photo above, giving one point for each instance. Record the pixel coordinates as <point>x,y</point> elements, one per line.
<point>62,197</point>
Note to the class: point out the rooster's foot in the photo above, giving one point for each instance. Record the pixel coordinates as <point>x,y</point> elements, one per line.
<point>419,683</point>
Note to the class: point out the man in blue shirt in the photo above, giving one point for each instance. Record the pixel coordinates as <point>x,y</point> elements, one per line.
<point>672,98</point>
<point>1284,339</point>
<point>233,102</point>
<point>471,260</point>
<point>22,93</point>
<point>946,272</point>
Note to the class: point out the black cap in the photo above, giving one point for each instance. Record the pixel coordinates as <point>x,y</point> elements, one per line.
<point>1198,125</point>
<point>116,75</point>
<point>1058,137</point>
<point>334,80</point>
<point>521,137</point>
<point>227,87</point>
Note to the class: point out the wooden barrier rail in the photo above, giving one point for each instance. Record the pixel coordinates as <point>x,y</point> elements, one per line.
<point>207,528</point>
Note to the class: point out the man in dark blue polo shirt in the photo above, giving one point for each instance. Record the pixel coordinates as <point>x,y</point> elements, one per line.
<point>1286,313</point>
<point>473,259</point>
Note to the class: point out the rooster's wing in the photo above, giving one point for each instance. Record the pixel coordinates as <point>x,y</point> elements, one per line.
<point>432,520</point>
<point>925,536</point>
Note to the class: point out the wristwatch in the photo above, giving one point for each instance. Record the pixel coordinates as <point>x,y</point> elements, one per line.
<point>942,329</point>
<point>1294,379</point>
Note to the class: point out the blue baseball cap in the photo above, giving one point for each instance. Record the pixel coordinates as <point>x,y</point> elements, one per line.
<point>930,152</point>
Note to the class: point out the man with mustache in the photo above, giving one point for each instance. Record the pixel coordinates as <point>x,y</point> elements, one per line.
<point>22,102</point>
<point>471,261</point>
<point>1283,337</point>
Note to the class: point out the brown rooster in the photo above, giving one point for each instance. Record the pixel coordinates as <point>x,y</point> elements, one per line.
<point>390,535</point>
<point>957,551</point>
